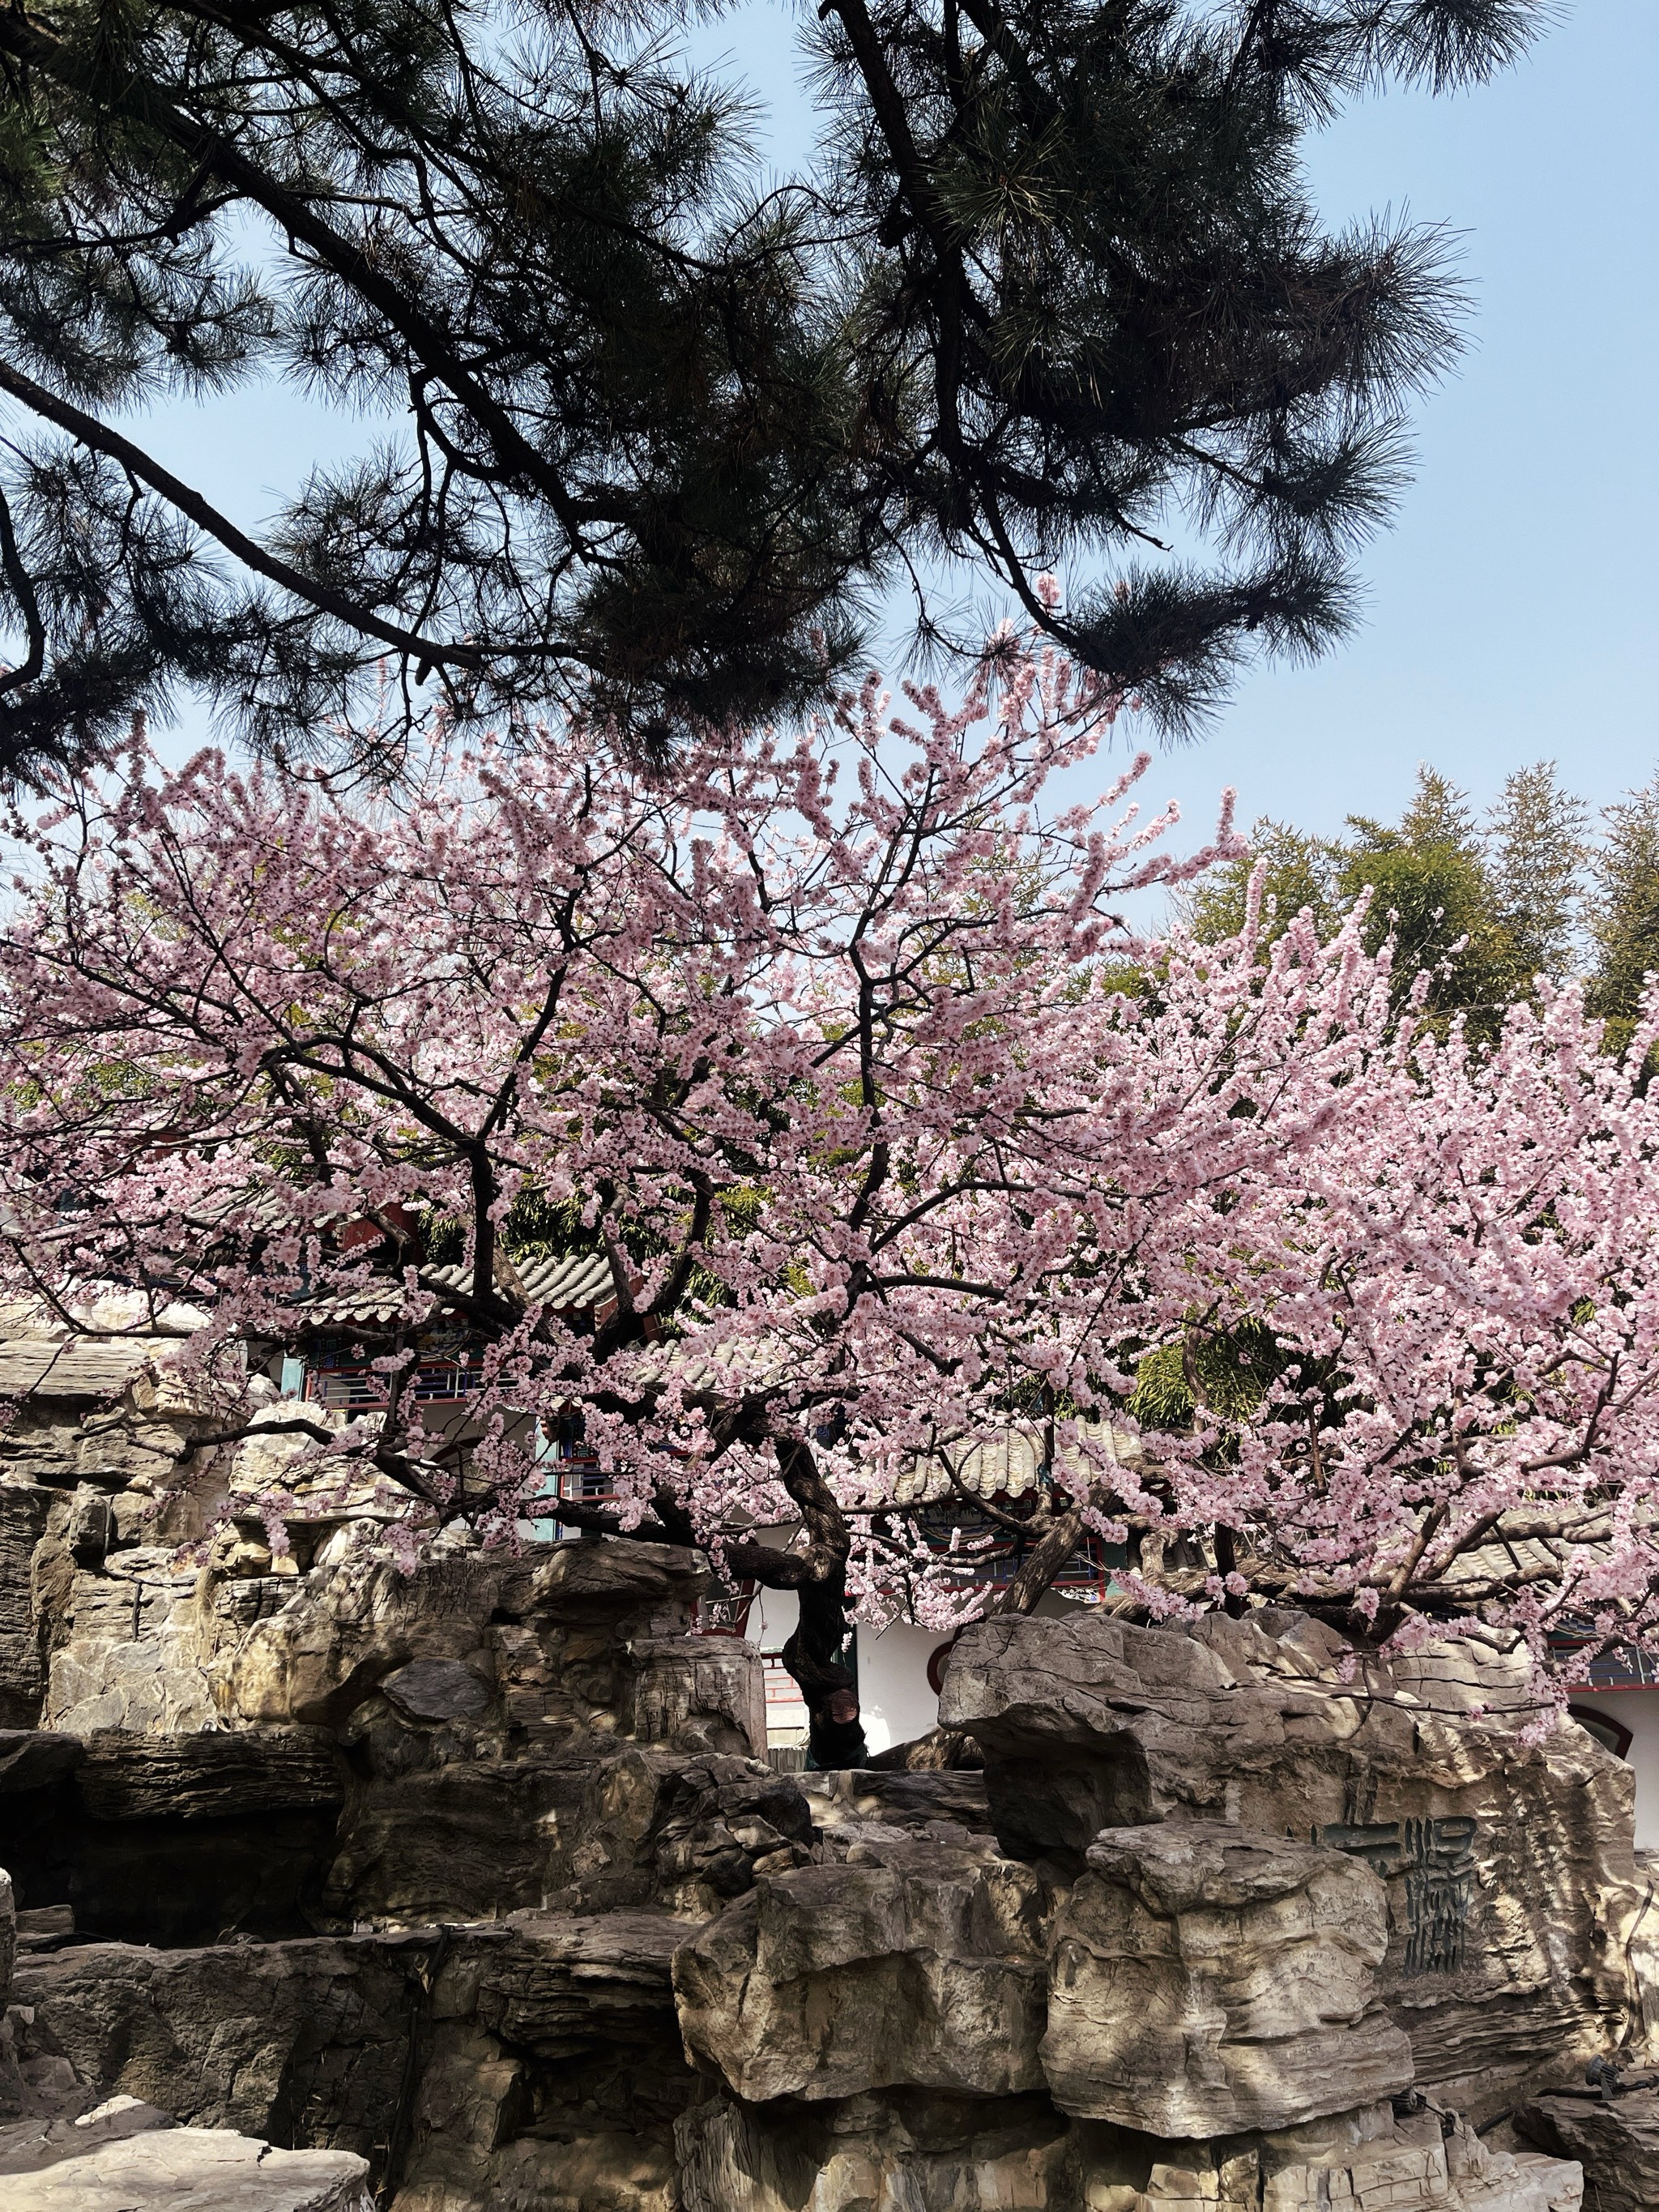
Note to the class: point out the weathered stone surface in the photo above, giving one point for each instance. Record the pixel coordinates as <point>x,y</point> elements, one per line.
<point>697,1693</point>
<point>555,2073</point>
<point>130,1648</point>
<point>921,1965</point>
<point>608,2170</point>
<point>209,1774</point>
<point>593,1826</point>
<point>193,2170</point>
<point>173,1839</point>
<point>1020,2154</point>
<point>720,1822</point>
<point>462,1841</point>
<point>310,1648</point>
<point>940,1805</point>
<point>549,1639</point>
<point>23,1512</point>
<point>306,2040</point>
<point>537,1748</point>
<point>437,1690</point>
<point>1616,2142</point>
<point>556,1984</point>
<point>36,1759</point>
<point>1514,1901</point>
<point>1207,1979</point>
<point>903,2151</point>
<point>941,1750</point>
<point>7,1937</point>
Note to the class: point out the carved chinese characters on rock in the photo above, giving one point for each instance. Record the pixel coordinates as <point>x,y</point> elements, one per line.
<point>1437,1858</point>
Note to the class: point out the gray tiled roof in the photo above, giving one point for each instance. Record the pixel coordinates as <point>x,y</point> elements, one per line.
<point>1009,1465</point>
<point>579,1280</point>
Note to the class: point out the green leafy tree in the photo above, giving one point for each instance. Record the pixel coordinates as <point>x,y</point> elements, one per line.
<point>643,432</point>
<point>1537,848</point>
<point>1478,912</point>
<point>1300,873</point>
<point>1624,909</point>
<point>1432,893</point>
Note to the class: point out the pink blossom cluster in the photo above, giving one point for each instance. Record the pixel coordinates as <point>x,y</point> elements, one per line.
<point>896,1135</point>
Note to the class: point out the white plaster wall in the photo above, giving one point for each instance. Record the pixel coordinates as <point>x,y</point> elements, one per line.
<point>1638,1712</point>
<point>772,1618</point>
<point>892,1662</point>
<point>893,1683</point>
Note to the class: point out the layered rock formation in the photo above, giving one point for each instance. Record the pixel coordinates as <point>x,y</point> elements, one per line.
<point>1207,1979</point>
<point>1517,1921</point>
<point>478,1884</point>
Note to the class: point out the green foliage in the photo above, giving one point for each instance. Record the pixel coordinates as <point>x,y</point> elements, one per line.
<point>1226,1371</point>
<point>638,428</point>
<point>1624,909</point>
<point>1301,874</point>
<point>1476,910</point>
<point>1538,848</point>
<point>1433,895</point>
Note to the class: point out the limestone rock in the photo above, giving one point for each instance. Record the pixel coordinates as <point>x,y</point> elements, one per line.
<point>1207,1979</point>
<point>909,2151</point>
<point>1516,1915</point>
<point>471,2098</point>
<point>596,1825</point>
<point>548,1638</point>
<point>697,1693</point>
<point>23,1511</point>
<point>555,1985</point>
<point>461,1841</point>
<point>922,1966</point>
<point>919,2152</point>
<point>173,1839</point>
<point>310,2038</point>
<point>1617,2142</point>
<point>600,2170</point>
<point>193,2170</point>
<point>310,1648</point>
<point>607,2170</point>
<point>209,1774</point>
<point>716,1822</point>
<point>940,1751</point>
<point>939,1806</point>
<point>7,1937</point>
<point>131,1650</point>
<point>36,1759</point>
<point>437,1690</point>
<point>568,2024</point>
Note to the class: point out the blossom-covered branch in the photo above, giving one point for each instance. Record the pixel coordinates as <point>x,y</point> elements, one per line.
<point>892,1138</point>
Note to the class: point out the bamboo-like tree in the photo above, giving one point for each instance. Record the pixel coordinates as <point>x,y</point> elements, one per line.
<point>1538,848</point>
<point>1624,907</point>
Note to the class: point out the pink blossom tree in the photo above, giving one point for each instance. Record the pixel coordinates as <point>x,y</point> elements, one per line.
<point>894,1137</point>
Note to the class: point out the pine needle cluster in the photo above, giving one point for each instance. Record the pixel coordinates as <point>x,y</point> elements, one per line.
<point>643,433</point>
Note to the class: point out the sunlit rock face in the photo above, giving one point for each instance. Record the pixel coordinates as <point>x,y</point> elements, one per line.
<point>919,1966</point>
<point>478,1884</point>
<point>1207,1979</point>
<point>1516,1921</point>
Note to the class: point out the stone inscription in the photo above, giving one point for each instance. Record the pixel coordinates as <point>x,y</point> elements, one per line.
<point>1437,1858</point>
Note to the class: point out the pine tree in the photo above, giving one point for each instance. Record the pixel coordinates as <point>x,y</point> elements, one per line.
<point>1537,849</point>
<point>642,434</point>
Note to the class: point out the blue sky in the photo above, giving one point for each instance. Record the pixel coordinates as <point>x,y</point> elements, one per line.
<point>1511,608</point>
